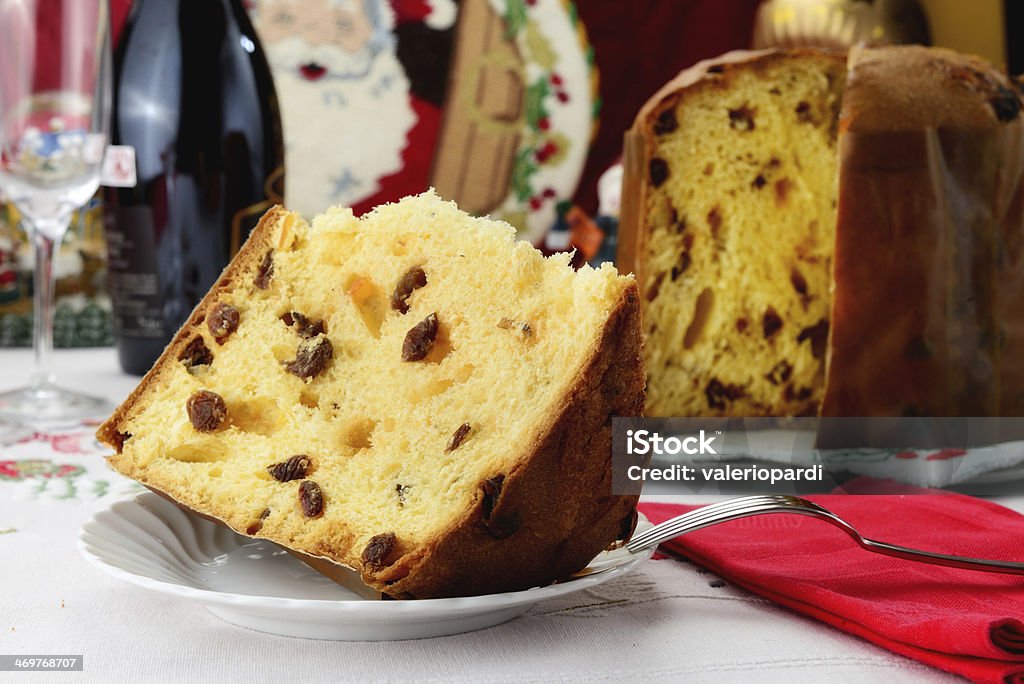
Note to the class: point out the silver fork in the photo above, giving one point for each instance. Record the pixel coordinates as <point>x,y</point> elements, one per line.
<point>760,505</point>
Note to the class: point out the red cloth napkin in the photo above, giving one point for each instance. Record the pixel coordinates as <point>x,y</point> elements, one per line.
<point>967,622</point>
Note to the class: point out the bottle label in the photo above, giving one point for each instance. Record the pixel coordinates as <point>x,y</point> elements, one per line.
<point>246,218</point>
<point>132,274</point>
<point>119,167</point>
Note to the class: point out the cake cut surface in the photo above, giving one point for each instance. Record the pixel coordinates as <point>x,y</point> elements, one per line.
<point>412,394</point>
<point>740,219</point>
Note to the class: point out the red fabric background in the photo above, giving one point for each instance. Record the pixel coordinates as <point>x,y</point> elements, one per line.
<point>638,45</point>
<point>641,44</point>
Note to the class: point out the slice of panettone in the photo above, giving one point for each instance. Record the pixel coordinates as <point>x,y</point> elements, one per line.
<point>413,394</point>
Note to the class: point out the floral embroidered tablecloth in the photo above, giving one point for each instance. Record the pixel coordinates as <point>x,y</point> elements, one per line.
<point>61,465</point>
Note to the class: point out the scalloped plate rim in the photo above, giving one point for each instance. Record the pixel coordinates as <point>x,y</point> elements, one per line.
<point>342,607</point>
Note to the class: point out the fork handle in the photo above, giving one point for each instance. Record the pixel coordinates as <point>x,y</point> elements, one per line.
<point>903,552</point>
<point>984,565</point>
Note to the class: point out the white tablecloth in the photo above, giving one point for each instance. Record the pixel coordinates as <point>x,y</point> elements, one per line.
<point>668,621</point>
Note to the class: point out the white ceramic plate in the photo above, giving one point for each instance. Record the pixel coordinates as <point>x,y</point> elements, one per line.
<point>150,542</point>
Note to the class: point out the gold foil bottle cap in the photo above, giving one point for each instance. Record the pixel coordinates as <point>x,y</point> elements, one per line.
<point>839,23</point>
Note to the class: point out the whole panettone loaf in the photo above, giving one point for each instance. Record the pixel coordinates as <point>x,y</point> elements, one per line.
<point>821,233</point>
<point>413,394</point>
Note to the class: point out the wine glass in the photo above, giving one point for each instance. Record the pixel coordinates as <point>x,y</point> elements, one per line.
<point>55,79</point>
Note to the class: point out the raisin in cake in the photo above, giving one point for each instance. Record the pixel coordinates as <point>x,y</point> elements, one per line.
<point>413,394</point>
<point>816,233</point>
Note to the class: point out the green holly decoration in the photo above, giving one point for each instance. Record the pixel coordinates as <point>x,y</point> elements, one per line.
<point>522,171</point>
<point>515,17</point>
<point>535,109</point>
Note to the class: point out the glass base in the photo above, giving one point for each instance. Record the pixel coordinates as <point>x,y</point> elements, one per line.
<point>49,406</point>
<point>12,433</point>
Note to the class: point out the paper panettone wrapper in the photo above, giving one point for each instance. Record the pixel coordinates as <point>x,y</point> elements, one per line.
<point>634,160</point>
<point>927,311</point>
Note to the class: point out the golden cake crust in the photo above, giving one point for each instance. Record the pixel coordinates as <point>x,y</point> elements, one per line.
<point>910,88</point>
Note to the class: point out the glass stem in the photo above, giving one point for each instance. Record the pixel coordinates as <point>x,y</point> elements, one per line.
<point>44,285</point>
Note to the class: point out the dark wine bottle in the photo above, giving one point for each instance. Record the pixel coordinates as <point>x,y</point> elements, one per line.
<point>194,99</point>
